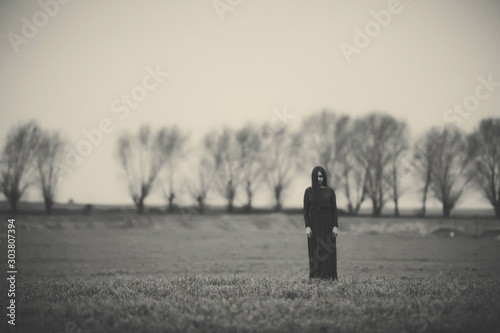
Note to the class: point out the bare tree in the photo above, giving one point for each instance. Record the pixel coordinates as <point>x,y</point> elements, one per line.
<point>323,136</point>
<point>278,159</point>
<point>450,175</point>
<point>17,156</point>
<point>353,173</point>
<point>329,140</point>
<point>199,186</point>
<point>48,152</point>
<point>484,150</point>
<point>375,134</point>
<point>173,150</point>
<point>354,184</point>
<point>223,150</point>
<point>249,147</point>
<point>425,152</point>
<point>396,146</point>
<point>142,157</point>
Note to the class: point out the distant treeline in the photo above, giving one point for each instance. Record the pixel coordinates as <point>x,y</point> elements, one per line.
<point>366,158</point>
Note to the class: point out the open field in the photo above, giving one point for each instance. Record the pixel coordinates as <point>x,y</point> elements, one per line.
<point>236,273</point>
<point>65,208</point>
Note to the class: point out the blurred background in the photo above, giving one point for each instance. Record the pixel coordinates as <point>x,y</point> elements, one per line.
<point>232,103</point>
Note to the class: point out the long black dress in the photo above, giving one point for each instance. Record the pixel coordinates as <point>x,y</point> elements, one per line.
<point>321,218</point>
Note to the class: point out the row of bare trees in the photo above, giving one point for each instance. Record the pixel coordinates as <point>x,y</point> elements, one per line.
<point>368,158</point>
<point>30,157</point>
<point>361,156</point>
<point>448,162</point>
<point>228,161</point>
<point>145,155</point>
<point>249,157</point>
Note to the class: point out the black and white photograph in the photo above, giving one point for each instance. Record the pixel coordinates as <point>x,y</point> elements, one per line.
<point>244,166</point>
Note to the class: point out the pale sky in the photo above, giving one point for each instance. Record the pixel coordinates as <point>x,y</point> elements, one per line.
<point>227,68</point>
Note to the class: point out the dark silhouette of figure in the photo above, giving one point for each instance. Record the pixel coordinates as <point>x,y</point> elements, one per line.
<point>321,219</point>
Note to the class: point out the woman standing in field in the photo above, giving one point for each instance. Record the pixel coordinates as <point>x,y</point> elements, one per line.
<point>321,218</point>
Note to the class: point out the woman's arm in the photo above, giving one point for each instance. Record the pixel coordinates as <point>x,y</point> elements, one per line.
<point>306,207</point>
<point>333,206</point>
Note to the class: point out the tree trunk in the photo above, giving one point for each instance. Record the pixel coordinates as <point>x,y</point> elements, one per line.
<point>378,203</point>
<point>230,206</point>
<point>140,206</point>
<point>446,210</point>
<point>277,206</point>
<point>396,207</point>
<point>230,194</point>
<point>277,196</point>
<point>424,199</point>
<point>395,190</point>
<point>497,210</point>
<point>201,203</point>
<point>13,205</point>
<point>377,209</point>
<point>350,209</point>
<point>49,203</point>
<point>171,202</point>
<point>248,208</point>
<point>348,194</point>
<point>356,209</point>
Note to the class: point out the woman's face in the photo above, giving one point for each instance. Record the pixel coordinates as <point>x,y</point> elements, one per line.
<point>320,177</point>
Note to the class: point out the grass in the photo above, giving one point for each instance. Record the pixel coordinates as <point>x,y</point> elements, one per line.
<point>117,273</point>
<point>262,304</point>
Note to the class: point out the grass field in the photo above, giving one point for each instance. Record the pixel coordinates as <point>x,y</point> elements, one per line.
<point>236,273</point>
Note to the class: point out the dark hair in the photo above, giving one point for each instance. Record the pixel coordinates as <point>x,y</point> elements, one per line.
<point>314,181</point>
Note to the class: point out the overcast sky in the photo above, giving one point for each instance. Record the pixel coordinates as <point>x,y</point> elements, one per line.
<point>229,62</point>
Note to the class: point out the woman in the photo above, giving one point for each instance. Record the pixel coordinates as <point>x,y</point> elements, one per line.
<point>321,218</point>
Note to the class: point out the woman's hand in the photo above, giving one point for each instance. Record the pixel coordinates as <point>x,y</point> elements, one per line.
<point>335,232</point>
<point>308,232</point>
